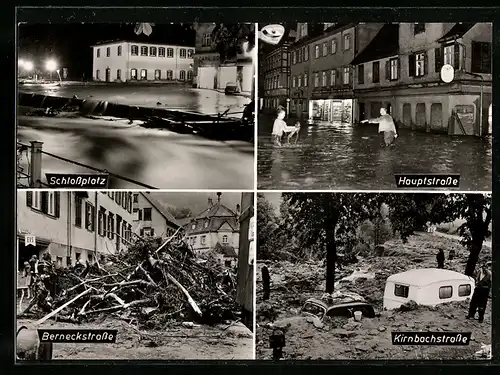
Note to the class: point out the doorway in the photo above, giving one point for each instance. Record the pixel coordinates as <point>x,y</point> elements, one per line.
<point>362,111</point>
<point>108,75</point>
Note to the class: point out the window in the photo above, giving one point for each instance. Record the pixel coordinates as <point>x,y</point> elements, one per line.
<point>147,214</point>
<point>108,52</point>
<point>333,78</point>
<point>101,225</point>
<point>401,290</point>
<point>170,52</point>
<point>294,57</point>
<point>203,239</point>
<point>144,51</point>
<point>182,75</point>
<point>448,55</point>
<point>51,204</point>
<point>334,46</point>
<point>293,81</point>
<point>376,72</point>
<point>193,226</point>
<point>299,81</point>
<point>161,52</point>
<point>152,51</point>
<point>361,74</point>
<point>182,54</point>
<point>323,79</point>
<point>118,198</point>
<point>119,51</point>
<point>78,211</point>
<point>419,28</point>
<point>134,50</point>
<point>206,224</point>
<point>325,49</point>
<point>305,80</point>
<point>136,214</point>
<point>144,74</point>
<point>316,51</point>
<point>306,53</point>
<point>89,216</point>
<point>445,292</point>
<point>207,40</point>
<point>481,57</point>
<point>97,74</point>
<point>419,65</point>
<point>98,52</point>
<point>394,69</point>
<point>224,238</point>
<point>133,74</point>
<point>125,199</point>
<point>190,75</point>
<point>119,74</point>
<point>136,198</point>
<point>170,75</point>
<point>301,55</point>
<point>190,53</point>
<point>111,226</point>
<point>464,290</point>
<point>347,75</point>
<point>157,74</point>
<point>347,42</point>
<point>316,79</point>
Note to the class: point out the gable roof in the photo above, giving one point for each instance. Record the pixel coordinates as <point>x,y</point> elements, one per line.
<point>218,210</point>
<point>161,209</point>
<point>457,31</point>
<point>384,44</point>
<point>212,219</point>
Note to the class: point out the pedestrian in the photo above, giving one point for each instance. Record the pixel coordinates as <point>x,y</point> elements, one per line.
<point>280,127</point>
<point>386,126</point>
<point>266,282</point>
<point>27,277</point>
<point>481,293</point>
<point>440,258</point>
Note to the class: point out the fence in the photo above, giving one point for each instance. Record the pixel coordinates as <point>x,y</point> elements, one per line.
<point>33,175</point>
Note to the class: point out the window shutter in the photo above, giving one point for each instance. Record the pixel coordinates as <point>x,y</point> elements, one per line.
<point>142,232</point>
<point>57,203</point>
<point>411,65</point>
<point>476,57</point>
<point>438,59</point>
<point>29,198</point>
<point>426,62</point>
<point>152,232</point>
<point>486,57</point>
<point>399,68</point>
<point>388,70</point>
<point>140,214</point>
<point>456,56</point>
<point>351,75</point>
<point>45,201</point>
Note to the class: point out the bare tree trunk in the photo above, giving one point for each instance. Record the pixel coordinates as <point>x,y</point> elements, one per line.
<point>478,227</point>
<point>475,249</point>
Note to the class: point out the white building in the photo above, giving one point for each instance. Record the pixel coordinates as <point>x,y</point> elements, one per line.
<point>151,218</point>
<point>123,61</point>
<point>72,225</point>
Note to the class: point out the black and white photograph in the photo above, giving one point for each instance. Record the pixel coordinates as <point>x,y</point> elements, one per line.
<point>338,274</point>
<point>171,273</point>
<point>347,106</point>
<point>152,106</point>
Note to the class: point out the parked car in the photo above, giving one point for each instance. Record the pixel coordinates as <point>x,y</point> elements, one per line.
<point>232,88</point>
<point>427,286</point>
<point>341,304</point>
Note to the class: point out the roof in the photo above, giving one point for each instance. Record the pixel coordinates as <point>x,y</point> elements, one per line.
<point>117,41</point>
<point>161,209</point>
<point>216,216</point>
<point>427,276</point>
<point>316,32</point>
<point>457,31</point>
<point>218,209</point>
<point>384,44</point>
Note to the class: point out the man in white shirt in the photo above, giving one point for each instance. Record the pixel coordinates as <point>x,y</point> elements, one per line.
<point>385,125</point>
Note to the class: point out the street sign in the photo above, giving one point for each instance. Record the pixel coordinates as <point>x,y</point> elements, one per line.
<point>272,34</point>
<point>447,73</point>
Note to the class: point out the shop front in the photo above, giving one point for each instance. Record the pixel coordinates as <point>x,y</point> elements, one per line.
<point>331,110</point>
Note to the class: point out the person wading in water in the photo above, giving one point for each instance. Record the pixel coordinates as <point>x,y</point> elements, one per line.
<point>386,126</point>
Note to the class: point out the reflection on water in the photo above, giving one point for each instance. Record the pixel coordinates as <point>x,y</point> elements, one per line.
<point>341,156</point>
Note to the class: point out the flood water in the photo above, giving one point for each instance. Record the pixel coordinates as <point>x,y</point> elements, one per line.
<point>345,157</point>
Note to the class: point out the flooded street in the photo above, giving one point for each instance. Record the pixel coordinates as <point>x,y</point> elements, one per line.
<point>342,156</point>
<point>159,158</point>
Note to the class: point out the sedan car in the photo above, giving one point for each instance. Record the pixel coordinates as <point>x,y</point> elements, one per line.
<point>345,304</point>
<point>232,88</point>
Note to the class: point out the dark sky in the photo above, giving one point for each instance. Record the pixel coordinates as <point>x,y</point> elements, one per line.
<point>69,44</point>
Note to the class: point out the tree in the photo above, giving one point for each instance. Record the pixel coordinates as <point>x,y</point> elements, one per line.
<point>228,39</point>
<point>180,213</point>
<point>267,224</point>
<point>327,217</point>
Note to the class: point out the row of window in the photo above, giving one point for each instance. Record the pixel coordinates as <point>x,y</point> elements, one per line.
<point>321,50</point>
<point>144,214</point>
<point>325,78</point>
<point>203,240</point>
<point>123,199</point>
<point>150,51</point>
<point>183,75</point>
<point>275,61</point>
<point>445,292</point>
<point>48,202</point>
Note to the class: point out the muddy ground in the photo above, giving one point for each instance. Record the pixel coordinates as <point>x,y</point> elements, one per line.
<point>174,342</point>
<point>343,339</point>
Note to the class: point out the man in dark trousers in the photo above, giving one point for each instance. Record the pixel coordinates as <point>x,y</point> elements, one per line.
<point>481,293</point>
<point>266,282</point>
<point>440,258</point>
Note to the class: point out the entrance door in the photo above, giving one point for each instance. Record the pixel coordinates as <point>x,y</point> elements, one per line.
<point>108,75</point>
<point>362,111</point>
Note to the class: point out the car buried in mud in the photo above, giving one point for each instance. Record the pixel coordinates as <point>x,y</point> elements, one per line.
<point>338,305</point>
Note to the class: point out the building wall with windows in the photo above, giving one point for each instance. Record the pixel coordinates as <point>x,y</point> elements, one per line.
<point>130,61</point>
<point>206,59</point>
<point>73,225</point>
<point>275,78</point>
<point>151,218</point>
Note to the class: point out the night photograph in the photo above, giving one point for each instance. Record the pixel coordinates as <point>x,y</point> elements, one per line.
<point>166,106</point>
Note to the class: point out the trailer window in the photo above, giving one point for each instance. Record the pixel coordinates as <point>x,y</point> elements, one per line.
<point>464,290</point>
<point>401,290</point>
<point>445,292</point>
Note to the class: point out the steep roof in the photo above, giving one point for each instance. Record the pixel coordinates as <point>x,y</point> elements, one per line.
<point>212,219</point>
<point>457,31</point>
<point>161,209</point>
<point>385,44</point>
<point>427,276</point>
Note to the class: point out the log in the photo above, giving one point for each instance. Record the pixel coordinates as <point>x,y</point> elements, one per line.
<point>50,315</point>
<point>191,301</point>
<point>116,308</point>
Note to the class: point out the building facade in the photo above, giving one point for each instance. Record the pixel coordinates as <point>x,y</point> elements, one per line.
<point>151,218</point>
<point>275,76</point>
<point>218,224</point>
<point>401,71</point>
<point>72,225</point>
<point>128,61</point>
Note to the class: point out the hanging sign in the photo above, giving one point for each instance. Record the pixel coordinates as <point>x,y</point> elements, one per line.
<point>30,240</point>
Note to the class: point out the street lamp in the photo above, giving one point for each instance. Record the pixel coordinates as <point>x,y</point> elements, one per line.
<point>51,66</point>
<point>28,66</point>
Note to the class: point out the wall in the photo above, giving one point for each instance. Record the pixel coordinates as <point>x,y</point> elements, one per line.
<point>114,62</point>
<point>225,75</point>
<point>206,77</point>
<point>158,222</point>
<point>368,75</point>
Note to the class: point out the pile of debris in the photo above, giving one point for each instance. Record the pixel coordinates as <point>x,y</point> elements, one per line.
<point>155,281</point>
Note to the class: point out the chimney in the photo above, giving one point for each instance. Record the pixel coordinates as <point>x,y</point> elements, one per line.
<point>218,197</point>
<point>238,210</point>
<point>210,202</point>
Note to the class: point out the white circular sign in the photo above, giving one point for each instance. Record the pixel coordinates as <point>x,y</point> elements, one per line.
<point>271,34</point>
<point>447,73</point>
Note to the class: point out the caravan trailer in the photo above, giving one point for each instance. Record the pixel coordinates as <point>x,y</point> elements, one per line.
<point>427,286</point>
